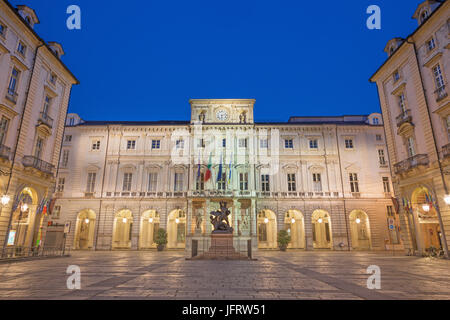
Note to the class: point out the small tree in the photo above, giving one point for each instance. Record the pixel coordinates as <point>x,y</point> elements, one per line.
<point>283,239</point>
<point>161,239</point>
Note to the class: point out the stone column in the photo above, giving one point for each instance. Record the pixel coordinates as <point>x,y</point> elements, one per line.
<point>189,217</point>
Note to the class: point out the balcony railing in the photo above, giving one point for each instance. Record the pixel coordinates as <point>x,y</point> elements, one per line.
<point>41,165</point>
<point>404,117</point>
<point>446,151</point>
<point>11,96</point>
<point>410,163</point>
<point>441,93</point>
<point>5,152</point>
<point>44,118</point>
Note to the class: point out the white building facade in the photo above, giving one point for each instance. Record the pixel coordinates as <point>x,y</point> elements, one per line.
<point>326,180</point>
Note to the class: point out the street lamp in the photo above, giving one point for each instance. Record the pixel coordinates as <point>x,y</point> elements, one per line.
<point>426,207</point>
<point>5,199</point>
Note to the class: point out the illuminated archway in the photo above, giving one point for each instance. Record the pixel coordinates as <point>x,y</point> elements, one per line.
<point>176,229</point>
<point>294,224</point>
<point>267,230</point>
<point>360,230</point>
<point>321,228</point>
<point>123,224</point>
<point>84,230</point>
<point>149,227</point>
<point>24,221</point>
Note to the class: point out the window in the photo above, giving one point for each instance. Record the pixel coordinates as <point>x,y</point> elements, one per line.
<point>378,137</point>
<point>68,138</point>
<point>47,102</point>
<point>431,44</point>
<point>60,186</point>
<point>292,186</point>
<point>127,178</point>
<point>288,144</point>
<point>4,123</point>
<point>200,184</point>
<point>390,211</point>
<point>39,147</point>
<point>53,78</point>
<point>156,144</point>
<point>386,185</point>
<point>423,16</point>
<point>13,82</point>
<point>265,184</point>
<point>317,182</point>
<point>402,103</point>
<point>221,184</point>
<point>91,182</point>
<point>243,143</point>
<point>410,145</point>
<point>179,144</point>
<point>375,121</point>
<point>2,30</point>
<point>381,157</point>
<point>96,145</point>
<point>178,186</point>
<point>131,145</point>
<point>56,212</point>
<point>224,143</point>
<point>243,181</point>
<point>313,144</point>
<point>354,187</point>
<point>447,122</point>
<point>200,143</point>
<point>263,143</point>
<point>65,158</point>
<point>438,78</point>
<point>152,181</point>
<point>349,143</point>
<point>396,76</point>
<point>21,48</point>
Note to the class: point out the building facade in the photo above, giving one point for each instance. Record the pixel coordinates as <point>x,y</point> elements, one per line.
<point>326,180</point>
<point>413,91</point>
<point>35,86</point>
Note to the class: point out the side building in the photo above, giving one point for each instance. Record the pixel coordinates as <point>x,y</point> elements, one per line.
<point>35,87</point>
<point>326,180</point>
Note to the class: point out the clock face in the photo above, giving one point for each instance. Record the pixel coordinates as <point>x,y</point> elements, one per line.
<point>222,115</point>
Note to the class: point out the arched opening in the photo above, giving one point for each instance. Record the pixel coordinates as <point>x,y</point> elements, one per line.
<point>84,230</point>
<point>123,224</point>
<point>23,220</point>
<point>428,231</point>
<point>321,228</point>
<point>149,228</point>
<point>294,224</point>
<point>267,230</point>
<point>360,230</point>
<point>176,229</point>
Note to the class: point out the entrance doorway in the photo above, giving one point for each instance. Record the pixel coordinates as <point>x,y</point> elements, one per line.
<point>267,230</point>
<point>321,229</point>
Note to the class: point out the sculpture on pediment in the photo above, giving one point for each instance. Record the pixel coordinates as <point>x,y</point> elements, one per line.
<point>202,117</point>
<point>243,117</point>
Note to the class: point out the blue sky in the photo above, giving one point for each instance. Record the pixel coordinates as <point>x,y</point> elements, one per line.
<point>144,60</point>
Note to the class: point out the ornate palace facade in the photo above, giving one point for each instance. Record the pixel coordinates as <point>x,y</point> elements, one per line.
<point>326,180</point>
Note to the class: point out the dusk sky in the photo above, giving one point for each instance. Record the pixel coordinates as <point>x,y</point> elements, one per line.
<point>144,60</point>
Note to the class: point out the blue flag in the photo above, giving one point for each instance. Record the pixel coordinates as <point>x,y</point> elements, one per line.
<point>219,175</point>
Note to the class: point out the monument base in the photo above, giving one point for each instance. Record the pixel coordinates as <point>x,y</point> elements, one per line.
<point>221,249</point>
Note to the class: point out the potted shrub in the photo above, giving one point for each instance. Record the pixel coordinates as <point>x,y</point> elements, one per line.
<point>283,239</point>
<point>161,239</point>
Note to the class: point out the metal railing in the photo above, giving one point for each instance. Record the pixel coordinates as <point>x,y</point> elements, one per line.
<point>410,163</point>
<point>404,117</point>
<point>41,165</point>
<point>5,152</point>
<point>21,252</point>
<point>44,118</point>
<point>441,93</point>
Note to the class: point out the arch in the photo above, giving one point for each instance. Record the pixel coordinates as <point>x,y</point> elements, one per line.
<point>176,229</point>
<point>84,230</point>
<point>321,229</point>
<point>295,225</point>
<point>360,230</point>
<point>150,222</point>
<point>122,229</point>
<point>267,229</point>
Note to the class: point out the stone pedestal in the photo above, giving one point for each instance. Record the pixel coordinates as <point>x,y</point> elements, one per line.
<point>221,249</point>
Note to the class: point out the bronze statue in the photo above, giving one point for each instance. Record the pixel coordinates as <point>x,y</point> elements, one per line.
<point>219,219</point>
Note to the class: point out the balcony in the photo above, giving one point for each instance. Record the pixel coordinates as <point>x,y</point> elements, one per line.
<point>5,152</point>
<point>411,163</point>
<point>45,119</point>
<point>11,96</point>
<point>404,117</point>
<point>446,151</point>
<point>441,93</point>
<point>38,164</point>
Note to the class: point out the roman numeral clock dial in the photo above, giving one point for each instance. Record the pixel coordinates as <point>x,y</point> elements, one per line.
<point>222,115</point>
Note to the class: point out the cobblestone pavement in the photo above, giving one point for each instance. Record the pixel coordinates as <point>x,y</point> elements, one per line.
<point>275,275</point>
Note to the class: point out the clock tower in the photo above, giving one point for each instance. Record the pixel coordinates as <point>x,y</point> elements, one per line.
<point>218,111</point>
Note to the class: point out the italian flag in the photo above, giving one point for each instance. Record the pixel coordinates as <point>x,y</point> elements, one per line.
<point>208,171</point>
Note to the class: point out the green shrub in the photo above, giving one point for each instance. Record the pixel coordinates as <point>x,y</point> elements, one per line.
<point>283,239</point>
<point>161,237</point>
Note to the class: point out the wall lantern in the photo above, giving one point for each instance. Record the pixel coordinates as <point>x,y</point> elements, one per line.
<point>266,220</point>
<point>426,207</point>
<point>150,220</point>
<point>86,221</point>
<point>358,220</point>
<point>446,199</point>
<point>177,220</point>
<point>124,220</point>
<point>293,221</point>
<point>5,199</point>
<point>24,207</point>
<point>320,220</point>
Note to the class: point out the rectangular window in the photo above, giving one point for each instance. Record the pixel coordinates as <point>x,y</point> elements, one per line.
<point>354,186</point>
<point>96,145</point>
<point>390,211</point>
<point>131,145</point>
<point>68,138</point>
<point>21,48</point>
<point>438,77</point>
<point>13,82</point>
<point>200,184</point>
<point>411,147</point>
<point>386,185</point>
<point>349,143</point>
<point>53,78</point>
<point>402,103</point>
<point>178,186</point>
<point>127,178</point>
<point>4,123</point>
<point>152,181</point>
<point>156,144</point>
<point>179,144</point>
<point>263,144</point>
<point>292,186</point>
<point>56,212</point>
<point>47,102</point>
<point>39,147</point>
<point>2,29</point>
<point>313,144</point>
<point>381,157</point>
<point>243,143</point>
<point>288,143</point>
<point>431,44</point>
<point>65,158</point>
<point>224,143</point>
<point>221,184</point>
<point>90,187</point>
<point>243,181</point>
<point>378,137</point>
<point>60,186</point>
<point>265,183</point>
<point>317,182</point>
<point>200,143</point>
<point>396,76</point>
